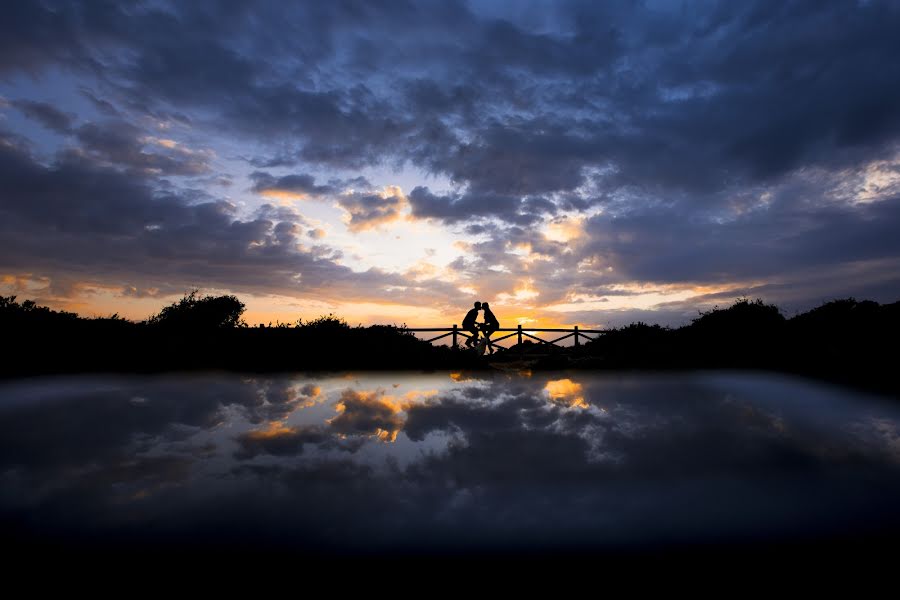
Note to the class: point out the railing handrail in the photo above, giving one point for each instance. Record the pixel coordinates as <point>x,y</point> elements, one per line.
<point>519,332</point>
<point>538,329</point>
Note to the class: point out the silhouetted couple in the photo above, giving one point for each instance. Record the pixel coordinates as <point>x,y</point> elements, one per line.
<point>470,324</point>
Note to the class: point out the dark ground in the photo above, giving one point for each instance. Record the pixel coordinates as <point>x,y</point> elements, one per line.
<point>845,341</point>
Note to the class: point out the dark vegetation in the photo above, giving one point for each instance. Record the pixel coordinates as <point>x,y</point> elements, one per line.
<point>844,340</point>
<point>848,341</point>
<point>203,332</point>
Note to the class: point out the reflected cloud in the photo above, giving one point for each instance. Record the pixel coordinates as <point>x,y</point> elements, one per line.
<point>278,440</point>
<point>489,460</point>
<point>276,400</point>
<point>566,392</point>
<point>367,413</point>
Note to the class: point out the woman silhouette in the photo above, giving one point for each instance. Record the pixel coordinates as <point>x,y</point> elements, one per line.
<point>491,324</point>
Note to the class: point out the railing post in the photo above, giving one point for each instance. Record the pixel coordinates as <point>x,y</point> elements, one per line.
<point>577,343</point>
<point>454,337</point>
<point>520,337</point>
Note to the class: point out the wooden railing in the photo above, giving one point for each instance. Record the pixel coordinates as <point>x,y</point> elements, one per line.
<point>519,333</point>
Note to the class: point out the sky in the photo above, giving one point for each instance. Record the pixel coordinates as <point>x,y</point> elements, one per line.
<point>392,162</point>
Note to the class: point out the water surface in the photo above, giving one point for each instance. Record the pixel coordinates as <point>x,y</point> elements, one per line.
<point>445,461</point>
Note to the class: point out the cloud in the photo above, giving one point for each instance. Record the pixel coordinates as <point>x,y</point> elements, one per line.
<point>46,114</point>
<point>652,96</point>
<point>125,232</point>
<point>121,143</point>
<point>796,229</point>
<point>278,440</point>
<point>468,206</point>
<point>566,392</point>
<point>275,401</point>
<point>367,210</point>
<point>296,186</point>
<point>367,413</point>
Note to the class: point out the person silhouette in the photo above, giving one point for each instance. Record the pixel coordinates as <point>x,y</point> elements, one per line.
<point>469,325</point>
<point>491,324</point>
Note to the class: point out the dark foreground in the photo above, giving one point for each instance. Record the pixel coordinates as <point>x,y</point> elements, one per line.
<point>845,341</point>
<point>596,470</point>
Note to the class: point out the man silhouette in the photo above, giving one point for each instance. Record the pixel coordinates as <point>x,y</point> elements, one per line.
<point>468,324</point>
<point>491,324</point>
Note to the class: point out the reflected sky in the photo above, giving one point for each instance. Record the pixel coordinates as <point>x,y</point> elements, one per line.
<point>445,460</point>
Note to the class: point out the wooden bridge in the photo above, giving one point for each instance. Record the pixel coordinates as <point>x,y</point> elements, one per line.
<point>519,333</point>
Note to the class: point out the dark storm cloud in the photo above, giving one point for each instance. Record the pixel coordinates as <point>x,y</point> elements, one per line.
<point>120,143</point>
<point>32,35</point>
<point>699,99</point>
<point>521,156</point>
<point>300,184</point>
<point>46,114</point>
<point>676,246</point>
<point>467,206</point>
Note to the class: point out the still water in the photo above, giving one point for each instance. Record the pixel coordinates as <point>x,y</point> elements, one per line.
<point>375,462</point>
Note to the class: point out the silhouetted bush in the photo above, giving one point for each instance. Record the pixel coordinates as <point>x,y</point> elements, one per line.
<point>324,325</point>
<point>195,312</point>
<point>28,314</point>
<point>745,317</point>
<point>842,340</point>
<point>635,345</point>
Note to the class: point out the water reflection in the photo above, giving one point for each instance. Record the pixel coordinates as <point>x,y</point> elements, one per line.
<point>445,460</point>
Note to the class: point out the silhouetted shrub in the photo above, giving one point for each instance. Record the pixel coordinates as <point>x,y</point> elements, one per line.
<point>195,312</point>
<point>28,313</point>
<point>743,317</point>
<point>324,324</point>
<point>838,317</point>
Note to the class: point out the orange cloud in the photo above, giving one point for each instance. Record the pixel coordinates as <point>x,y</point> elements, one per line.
<point>566,392</point>
<point>283,195</point>
<point>564,230</point>
<point>275,429</point>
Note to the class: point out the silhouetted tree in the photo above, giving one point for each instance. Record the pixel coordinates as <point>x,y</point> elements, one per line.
<point>200,312</point>
<point>30,314</point>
